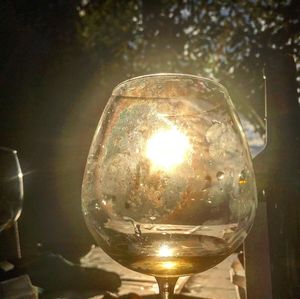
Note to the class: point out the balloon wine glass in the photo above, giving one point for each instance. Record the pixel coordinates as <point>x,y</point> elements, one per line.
<point>169,188</point>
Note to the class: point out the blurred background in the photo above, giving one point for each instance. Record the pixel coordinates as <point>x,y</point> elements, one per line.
<point>60,60</point>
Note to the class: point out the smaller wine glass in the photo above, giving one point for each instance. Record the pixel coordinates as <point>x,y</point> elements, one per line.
<point>11,192</point>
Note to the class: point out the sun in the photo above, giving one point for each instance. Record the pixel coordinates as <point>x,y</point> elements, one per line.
<point>167,149</point>
<point>165,251</point>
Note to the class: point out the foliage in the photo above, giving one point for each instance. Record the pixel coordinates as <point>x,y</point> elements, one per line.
<point>227,40</point>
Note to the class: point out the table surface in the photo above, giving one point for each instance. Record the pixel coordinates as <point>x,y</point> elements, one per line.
<point>213,284</point>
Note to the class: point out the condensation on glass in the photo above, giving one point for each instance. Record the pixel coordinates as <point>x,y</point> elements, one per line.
<point>169,175</point>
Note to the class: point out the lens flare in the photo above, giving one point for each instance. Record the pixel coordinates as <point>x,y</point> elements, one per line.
<point>167,148</point>
<point>169,265</point>
<point>165,251</point>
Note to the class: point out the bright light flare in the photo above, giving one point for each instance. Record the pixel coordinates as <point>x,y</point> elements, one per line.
<point>165,251</point>
<point>169,265</point>
<point>167,148</point>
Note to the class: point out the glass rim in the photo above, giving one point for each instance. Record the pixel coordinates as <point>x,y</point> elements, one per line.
<point>8,149</point>
<point>172,75</point>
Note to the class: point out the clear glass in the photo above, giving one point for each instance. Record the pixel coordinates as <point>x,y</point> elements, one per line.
<point>11,192</point>
<point>169,188</point>
<point>11,187</point>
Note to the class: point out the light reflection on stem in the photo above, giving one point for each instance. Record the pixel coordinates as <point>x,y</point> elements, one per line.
<point>166,286</point>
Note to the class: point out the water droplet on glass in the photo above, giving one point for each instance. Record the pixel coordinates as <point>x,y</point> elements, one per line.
<point>137,230</point>
<point>148,226</point>
<point>220,175</point>
<point>242,177</point>
<point>208,181</point>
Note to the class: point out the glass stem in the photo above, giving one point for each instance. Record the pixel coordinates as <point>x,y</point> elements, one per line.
<point>17,239</point>
<point>166,286</point>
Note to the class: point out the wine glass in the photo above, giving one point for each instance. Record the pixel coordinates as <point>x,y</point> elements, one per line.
<point>11,192</point>
<point>169,188</point>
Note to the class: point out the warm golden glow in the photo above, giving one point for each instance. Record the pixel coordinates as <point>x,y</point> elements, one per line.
<point>167,148</point>
<point>169,265</point>
<point>165,251</point>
